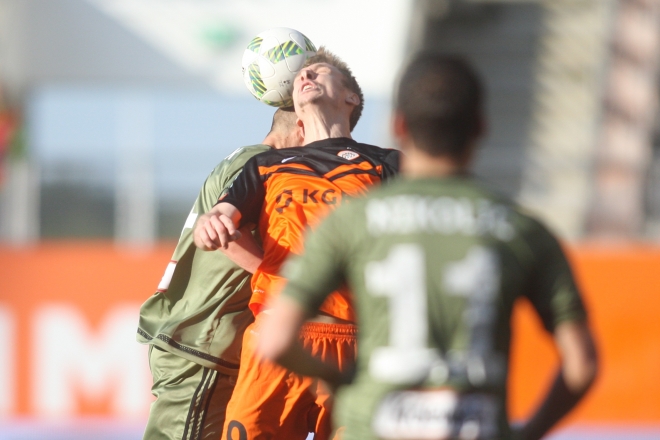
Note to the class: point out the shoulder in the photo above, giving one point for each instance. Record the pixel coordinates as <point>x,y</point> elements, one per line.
<point>245,153</point>
<point>353,145</point>
<point>345,143</point>
<point>274,156</point>
<point>238,158</point>
<point>503,218</point>
<point>388,157</point>
<point>378,150</point>
<point>525,224</point>
<point>534,236</point>
<point>351,150</point>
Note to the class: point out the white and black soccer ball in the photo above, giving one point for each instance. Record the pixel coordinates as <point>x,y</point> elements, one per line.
<point>271,62</point>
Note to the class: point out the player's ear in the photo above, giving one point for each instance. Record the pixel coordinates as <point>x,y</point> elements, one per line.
<point>399,126</point>
<point>353,99</point>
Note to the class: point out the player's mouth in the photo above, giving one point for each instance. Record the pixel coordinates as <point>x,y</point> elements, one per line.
<point>307,86</point>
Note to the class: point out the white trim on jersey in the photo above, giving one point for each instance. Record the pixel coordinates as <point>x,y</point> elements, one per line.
<point>167,277</point>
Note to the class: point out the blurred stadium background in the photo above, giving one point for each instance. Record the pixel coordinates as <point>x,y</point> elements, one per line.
<point>112,113</point>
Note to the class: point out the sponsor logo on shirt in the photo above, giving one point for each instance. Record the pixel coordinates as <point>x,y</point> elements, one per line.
<point>436,414</point>
<point>315,196</point>
<point>348,155</point>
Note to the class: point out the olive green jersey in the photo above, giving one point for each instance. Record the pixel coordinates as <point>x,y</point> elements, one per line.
<point>200,308</point>
<point>435,266</point>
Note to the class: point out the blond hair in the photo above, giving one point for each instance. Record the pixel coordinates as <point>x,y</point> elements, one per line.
<point>325,56</point>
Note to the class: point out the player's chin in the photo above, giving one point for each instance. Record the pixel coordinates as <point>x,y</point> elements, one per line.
<point>310,100</point>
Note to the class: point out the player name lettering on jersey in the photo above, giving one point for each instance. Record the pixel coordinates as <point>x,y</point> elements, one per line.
<point>408,214</point>
<point>436,415</point>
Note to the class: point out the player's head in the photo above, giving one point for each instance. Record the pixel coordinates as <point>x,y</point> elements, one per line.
<point>284,130</point>
<point>440,98</point>
<point>347,80</point>
<point>284,120</point>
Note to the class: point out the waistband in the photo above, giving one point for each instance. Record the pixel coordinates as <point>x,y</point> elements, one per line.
<point>325,330</point>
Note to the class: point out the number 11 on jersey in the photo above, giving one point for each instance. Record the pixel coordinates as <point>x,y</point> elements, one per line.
<point>402,278</point>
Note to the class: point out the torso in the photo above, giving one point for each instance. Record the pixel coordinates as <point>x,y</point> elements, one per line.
<point>300,187</point>
<point>436,266</point>
<point>197,312</point>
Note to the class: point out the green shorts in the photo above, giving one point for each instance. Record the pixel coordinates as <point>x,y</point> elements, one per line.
<point>190,399</point>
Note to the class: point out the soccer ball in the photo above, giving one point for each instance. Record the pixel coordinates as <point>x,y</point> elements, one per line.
<point>271,62</point>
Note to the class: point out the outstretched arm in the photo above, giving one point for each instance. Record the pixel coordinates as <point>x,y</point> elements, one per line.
<point>217,228</point>
<point>578,370</point>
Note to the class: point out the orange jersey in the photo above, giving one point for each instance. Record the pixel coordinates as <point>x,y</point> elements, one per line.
<point>287,191</point>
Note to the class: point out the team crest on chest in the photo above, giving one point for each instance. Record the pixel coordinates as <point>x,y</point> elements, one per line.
<point>348,155</point>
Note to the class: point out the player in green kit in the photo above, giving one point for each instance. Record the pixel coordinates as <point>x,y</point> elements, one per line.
<point>435,261</point>
<point>194,323</point>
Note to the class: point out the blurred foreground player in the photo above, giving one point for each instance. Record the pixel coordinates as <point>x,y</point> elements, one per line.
<point>436,262</point>
<point>286,192</point>
<point>195,321</point>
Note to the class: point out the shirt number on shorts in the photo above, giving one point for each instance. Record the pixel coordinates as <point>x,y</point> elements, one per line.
<point>236,426</point>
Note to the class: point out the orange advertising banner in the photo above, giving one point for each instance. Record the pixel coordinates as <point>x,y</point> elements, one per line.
<point>621,287</point>
<point>69,312</point>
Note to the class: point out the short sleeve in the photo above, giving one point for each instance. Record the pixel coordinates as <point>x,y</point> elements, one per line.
<point>552,287</point>
<point>213,187</point>
<point>247,192</point>
<point>392,163</point>
<point>218,182</point>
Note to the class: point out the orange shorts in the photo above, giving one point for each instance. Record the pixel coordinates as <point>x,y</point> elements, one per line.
<point>271,402</point>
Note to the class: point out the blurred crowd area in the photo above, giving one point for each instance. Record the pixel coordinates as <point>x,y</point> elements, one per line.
<point>112,112</point>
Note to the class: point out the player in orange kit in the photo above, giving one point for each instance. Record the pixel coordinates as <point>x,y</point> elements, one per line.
<point>285,192</point>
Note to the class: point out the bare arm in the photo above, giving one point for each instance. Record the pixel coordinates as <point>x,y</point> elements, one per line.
<point>578,370</point>
<point>278,342</point>
<point>217,228</point>
<point>245,251</point>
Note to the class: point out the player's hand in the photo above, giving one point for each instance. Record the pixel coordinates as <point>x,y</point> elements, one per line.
<point>214,231</point>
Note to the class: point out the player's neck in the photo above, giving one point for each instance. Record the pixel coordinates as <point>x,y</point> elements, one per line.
<point>320,125</point>
<point>416,164</point>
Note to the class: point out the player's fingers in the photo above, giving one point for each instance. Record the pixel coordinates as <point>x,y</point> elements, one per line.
<point>200,234</point>
<point>228,223</point>
<point>210,236</point>
<point>203,242</point>
<point>223,236</point>
<point>232,232</point>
